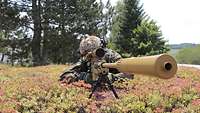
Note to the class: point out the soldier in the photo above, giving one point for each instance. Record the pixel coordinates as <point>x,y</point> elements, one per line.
<point>81,70</point>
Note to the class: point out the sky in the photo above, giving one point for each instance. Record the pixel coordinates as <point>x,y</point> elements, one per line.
<point>179,20</point>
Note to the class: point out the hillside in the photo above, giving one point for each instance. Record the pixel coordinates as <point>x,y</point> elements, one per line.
<point>34,90</point>
<point>189,56</point>
<point>182,45</point>
<point>175,48</point>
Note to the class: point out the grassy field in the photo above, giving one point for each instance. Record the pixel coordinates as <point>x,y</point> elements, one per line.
<point>37,90</point>
<point>174,52</point>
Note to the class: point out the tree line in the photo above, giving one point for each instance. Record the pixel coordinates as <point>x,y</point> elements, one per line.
<point>39,32</point>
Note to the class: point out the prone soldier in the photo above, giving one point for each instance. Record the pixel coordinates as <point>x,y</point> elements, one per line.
<point>99,66</point>
<point>82,69</point>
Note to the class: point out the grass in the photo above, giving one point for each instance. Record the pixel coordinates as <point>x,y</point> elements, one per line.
<point>30,90</point>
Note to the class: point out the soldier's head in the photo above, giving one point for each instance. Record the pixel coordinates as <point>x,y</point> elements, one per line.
<point>89,44</point>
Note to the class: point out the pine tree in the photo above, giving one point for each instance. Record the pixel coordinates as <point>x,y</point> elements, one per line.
<point>47,29</point>
<point>64,19</point>
<point>129,15</point>
<point>129,18</point>
<point>9,24</point>
<point>36,42</point>
<point>107,12</point>
<point>149,39</point>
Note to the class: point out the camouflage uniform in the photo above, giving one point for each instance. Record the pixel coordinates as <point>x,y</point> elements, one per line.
<point>81,71</point>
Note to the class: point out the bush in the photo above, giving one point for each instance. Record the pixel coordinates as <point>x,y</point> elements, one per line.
<point>189,55</point>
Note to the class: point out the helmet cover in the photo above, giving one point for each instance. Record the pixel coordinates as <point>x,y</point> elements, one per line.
<point>89,44</point>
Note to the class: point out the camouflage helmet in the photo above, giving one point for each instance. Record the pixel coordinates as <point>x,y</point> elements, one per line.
<point>89,44</point>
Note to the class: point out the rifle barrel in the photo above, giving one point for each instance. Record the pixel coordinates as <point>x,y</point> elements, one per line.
<point>163,66</point>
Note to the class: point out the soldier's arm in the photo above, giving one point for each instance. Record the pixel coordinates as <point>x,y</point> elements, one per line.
<point>111,57</point>
<point>71,70</point>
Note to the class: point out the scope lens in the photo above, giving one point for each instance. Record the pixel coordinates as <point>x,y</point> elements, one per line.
<point>100,52</point>
<point>168,66</point>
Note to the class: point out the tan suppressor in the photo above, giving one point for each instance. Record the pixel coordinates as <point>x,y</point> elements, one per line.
<point>162,66</point>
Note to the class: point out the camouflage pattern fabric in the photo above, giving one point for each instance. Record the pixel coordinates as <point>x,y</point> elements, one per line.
<point>78,73</point>
<point>89,44</point>
<point>111,56</point>
<point>81,70</point>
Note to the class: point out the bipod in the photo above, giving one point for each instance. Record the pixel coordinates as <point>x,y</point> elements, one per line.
<point>98,83</point>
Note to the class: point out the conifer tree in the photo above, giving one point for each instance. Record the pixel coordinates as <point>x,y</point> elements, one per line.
<point>129,18</point>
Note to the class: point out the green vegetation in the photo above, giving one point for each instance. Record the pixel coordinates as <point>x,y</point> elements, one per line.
<point>175,48</point>
<point>189,55</point>
<point>134,33</point>
<point>39,32</point>
<point>30,90</point>
<point>174,52</point>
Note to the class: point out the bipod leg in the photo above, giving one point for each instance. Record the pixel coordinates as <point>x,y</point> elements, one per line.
<point>111,87</point>
<point>96,84</point>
